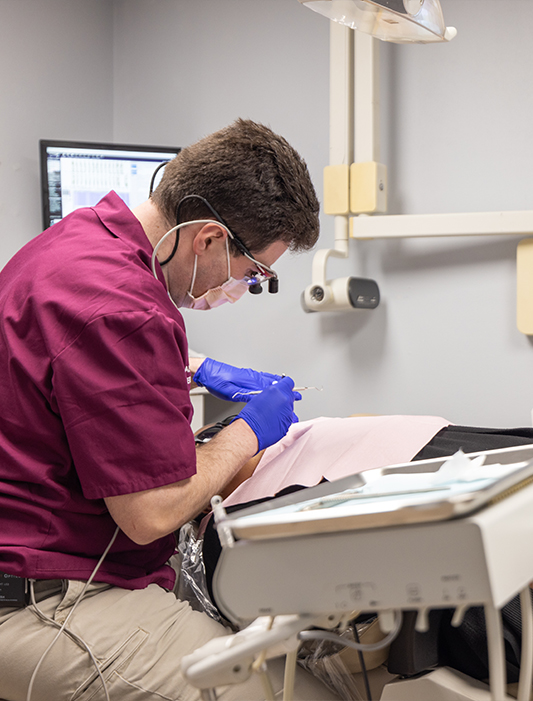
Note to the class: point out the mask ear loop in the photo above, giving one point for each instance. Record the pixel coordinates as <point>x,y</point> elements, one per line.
<point>193,280</point>
<point>228,258</point>
<point>195,268</point>
<point>177,228</point>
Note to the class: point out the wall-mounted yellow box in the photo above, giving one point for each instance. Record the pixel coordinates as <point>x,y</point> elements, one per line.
<point>524,286</point>
<point>337,189</point>
<point>368,188</point>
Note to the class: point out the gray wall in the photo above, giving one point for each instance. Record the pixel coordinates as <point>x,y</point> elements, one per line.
<point>455,136</point>
<point>56,82</point>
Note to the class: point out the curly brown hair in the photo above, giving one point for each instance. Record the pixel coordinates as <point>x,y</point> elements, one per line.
<point>253,178</point>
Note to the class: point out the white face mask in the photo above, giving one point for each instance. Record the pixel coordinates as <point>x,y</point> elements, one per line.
<point>230,291</point>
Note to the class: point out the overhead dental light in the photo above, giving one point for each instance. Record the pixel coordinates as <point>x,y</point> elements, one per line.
<point>398,21</point>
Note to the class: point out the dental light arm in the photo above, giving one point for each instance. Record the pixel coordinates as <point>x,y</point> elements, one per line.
<point>360,188</point>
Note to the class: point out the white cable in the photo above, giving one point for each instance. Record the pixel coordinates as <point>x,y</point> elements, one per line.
<point>62,628</point>
<point>371,647</point>
<point>40,614</point>
<point>526,661</point>
<point>180,226</point>
<point>496,653</point>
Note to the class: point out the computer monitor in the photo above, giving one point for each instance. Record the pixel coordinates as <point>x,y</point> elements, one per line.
<point>78,174</point>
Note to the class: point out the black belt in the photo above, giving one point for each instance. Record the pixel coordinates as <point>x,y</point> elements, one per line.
<point>15,591</point>
<point>40,585</point>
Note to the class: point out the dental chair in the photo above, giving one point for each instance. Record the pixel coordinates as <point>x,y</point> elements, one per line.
<point>298,566</point>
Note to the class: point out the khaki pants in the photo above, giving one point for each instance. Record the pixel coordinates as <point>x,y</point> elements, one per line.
<point>138,638</point>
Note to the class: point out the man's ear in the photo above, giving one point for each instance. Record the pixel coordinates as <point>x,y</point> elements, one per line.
<point>208,235</point>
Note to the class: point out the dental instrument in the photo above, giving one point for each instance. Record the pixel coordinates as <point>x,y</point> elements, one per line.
<point>259,391</point>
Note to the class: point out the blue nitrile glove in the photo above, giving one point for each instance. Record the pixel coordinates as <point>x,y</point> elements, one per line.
<point>270,413</point>
<point>231,383</point>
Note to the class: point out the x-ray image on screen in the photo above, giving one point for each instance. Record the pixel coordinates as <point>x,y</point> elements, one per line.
<point>79,174</point>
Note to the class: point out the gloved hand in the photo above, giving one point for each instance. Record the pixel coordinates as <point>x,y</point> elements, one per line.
<point>270,413</point>
<point>231,383</point>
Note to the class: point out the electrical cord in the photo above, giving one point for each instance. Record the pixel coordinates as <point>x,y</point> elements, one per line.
<point>150,190</point>
<point>216,216</point>
<point>63,627</point>
<point>175,228</point>
<point>371,647</point>
<point>179,205</point>
<point>152,180</point>
<point>362,662</point>
<point>75,638</point>
<point>170,231</point>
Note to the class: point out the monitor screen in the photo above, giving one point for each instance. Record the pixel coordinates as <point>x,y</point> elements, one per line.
<point>78,174</point>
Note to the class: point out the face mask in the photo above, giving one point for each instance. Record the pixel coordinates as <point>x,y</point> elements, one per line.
<point>230,291</point>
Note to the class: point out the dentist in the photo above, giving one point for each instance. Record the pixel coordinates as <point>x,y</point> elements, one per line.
<point>98,465</point>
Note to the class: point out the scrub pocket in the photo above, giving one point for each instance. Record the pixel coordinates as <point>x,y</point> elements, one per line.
<point>111,666</point>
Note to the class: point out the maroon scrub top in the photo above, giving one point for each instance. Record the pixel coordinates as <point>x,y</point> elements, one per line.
<point>94,398</point>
